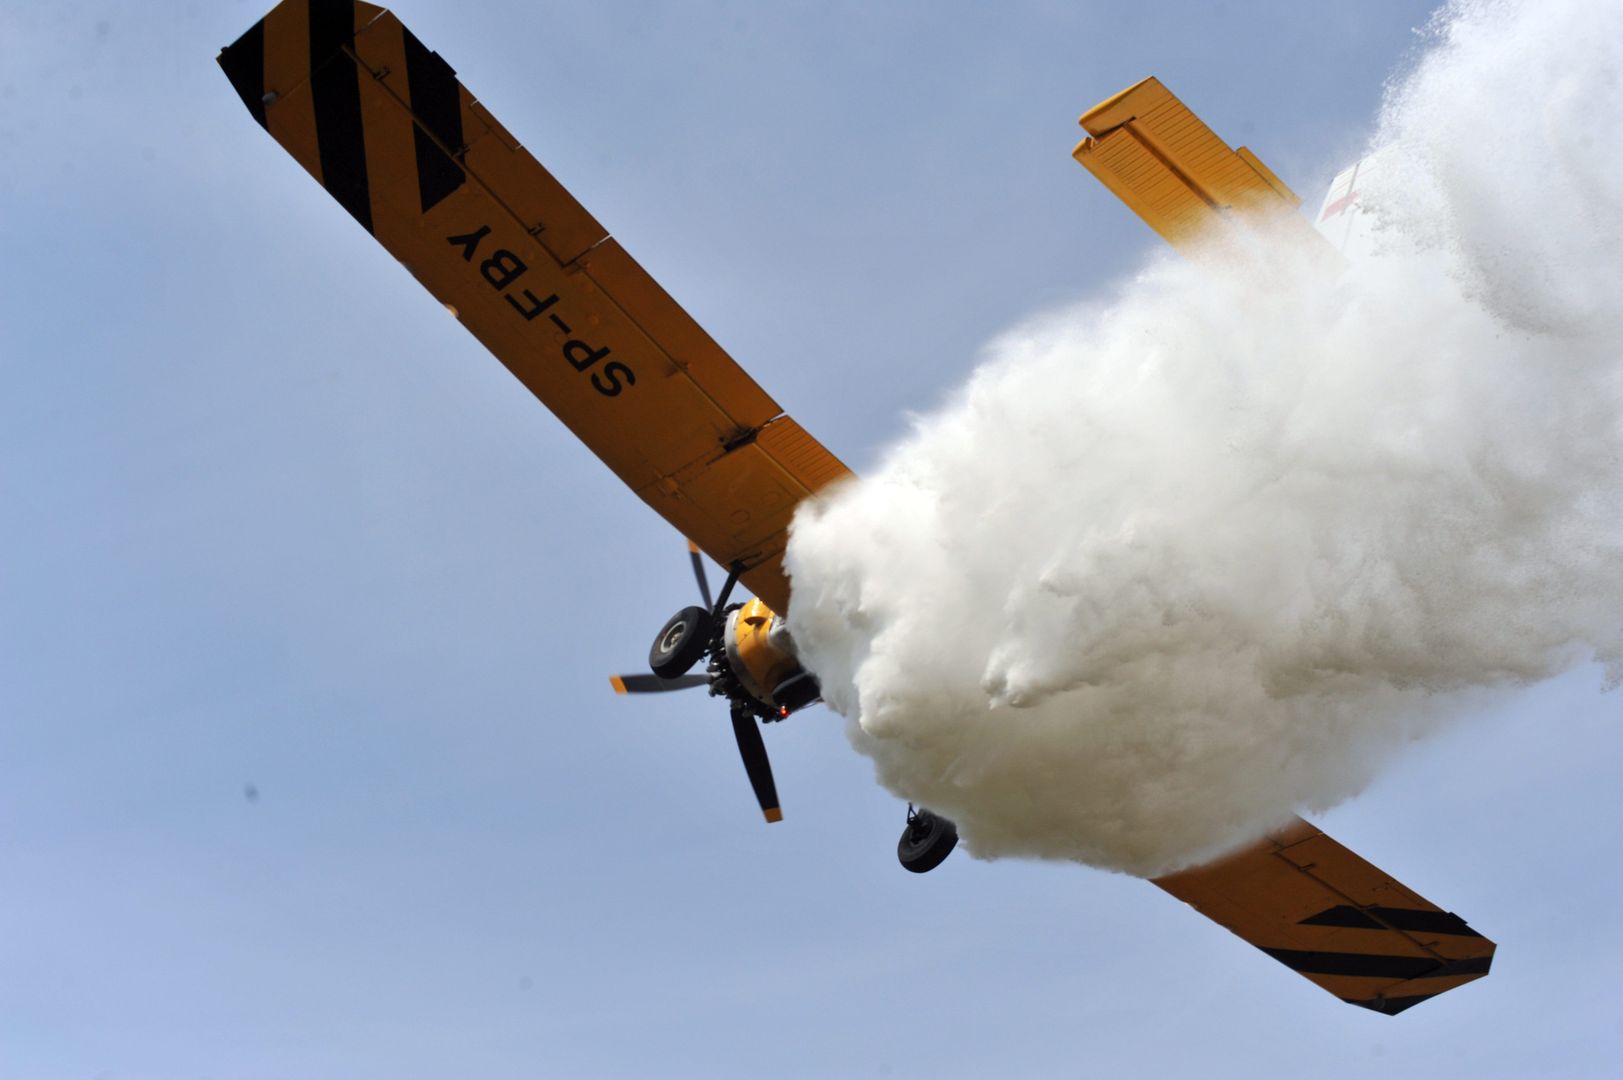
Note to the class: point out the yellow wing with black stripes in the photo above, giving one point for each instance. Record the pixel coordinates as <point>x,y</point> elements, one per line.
<point>1327,914</point>
<point>385,126</point>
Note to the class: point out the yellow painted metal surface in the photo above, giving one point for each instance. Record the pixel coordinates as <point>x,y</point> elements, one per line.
<point>1336,919</point>
<point>386,127</point>
<point>763,663</point>
<point>1173,171</point>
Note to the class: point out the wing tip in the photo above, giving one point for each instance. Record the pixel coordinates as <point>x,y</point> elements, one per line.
<point>1109,114</point>
<point>1389,1006</point>
<point>243,62</point>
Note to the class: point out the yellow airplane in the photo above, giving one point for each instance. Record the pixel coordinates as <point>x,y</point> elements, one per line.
<point>385,126</point>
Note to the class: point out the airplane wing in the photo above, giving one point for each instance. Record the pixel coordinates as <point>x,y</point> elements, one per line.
<point>1173,171</point>
<point>1327,914</point>
<point>385,126</point>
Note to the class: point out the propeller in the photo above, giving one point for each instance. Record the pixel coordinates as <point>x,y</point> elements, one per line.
<point>752,748</point>
<point>698,572</point>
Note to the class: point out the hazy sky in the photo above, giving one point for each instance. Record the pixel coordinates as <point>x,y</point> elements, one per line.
<point>274,525</point>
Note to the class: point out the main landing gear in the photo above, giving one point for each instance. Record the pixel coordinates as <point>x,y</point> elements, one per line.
<point>681,643</point>
<point>927,840</point>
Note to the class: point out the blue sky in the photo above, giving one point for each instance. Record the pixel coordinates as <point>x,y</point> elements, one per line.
<point>273,519</point>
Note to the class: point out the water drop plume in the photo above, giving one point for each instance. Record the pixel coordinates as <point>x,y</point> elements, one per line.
<point>1179,562</point>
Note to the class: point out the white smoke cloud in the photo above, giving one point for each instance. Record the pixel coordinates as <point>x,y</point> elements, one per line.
<point>1175,565</point>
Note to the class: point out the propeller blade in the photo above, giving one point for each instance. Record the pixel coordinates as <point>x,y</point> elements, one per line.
<point>698,572</point>
<point>653,684</point>
<point>733,574</point>
<point>752,748</point>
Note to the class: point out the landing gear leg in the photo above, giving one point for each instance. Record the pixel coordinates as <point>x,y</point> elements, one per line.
<point>927,840</point>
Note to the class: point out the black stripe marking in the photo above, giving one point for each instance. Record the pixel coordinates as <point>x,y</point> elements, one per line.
<point>436,102</point>
<point>1373,965</point>
<point>243,62</point>
<point>1390,1006</point>
<point>1471,965</point>
<point>1344,915</point>
<point>335,90</point>
<point>1412,920</point>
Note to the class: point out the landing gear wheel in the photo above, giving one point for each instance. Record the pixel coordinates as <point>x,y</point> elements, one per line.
<point>926,842</point>
<point>680,643</point>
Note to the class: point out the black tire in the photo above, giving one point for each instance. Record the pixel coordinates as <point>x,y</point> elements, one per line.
<point>680,643</point>
<point>926,842</point>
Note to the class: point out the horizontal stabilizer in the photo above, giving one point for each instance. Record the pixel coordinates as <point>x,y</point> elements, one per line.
<point>1173,171</point>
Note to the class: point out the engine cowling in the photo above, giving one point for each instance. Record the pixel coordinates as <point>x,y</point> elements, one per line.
<point>761,656</point>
